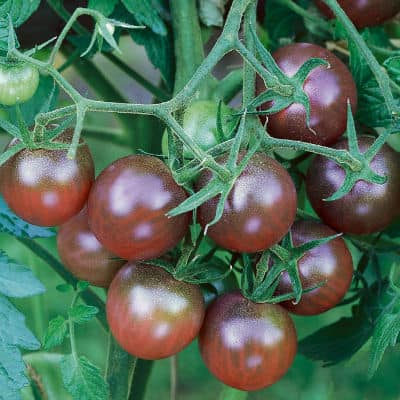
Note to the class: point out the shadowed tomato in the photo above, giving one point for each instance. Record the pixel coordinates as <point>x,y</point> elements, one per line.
<point>84,255</point>
<point>368,207</point>
<point>327,88</point>
<point>45,187</point>
<point>330,263</point>
<point>259,210</point>
<point>128,204</point>
<point>151,314</point>
<point>364,13</point>
<point>247,345</point>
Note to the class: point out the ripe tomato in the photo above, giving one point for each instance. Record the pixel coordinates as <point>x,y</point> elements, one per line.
<point>200,124</point>
<point>330,263</point>
<point>259,210</point>
<point>247,345</point>
<point>328,90</point>
<point>151,314</point>
<point>45,187</point>
<point>364,13</point>
<point>84,255</point>
<point>368,207</point>
<point>128,204</point>
<point>18,83</point>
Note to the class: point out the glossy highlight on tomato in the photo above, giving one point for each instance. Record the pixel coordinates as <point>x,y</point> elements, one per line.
<point>259,210</point>
<point>151,314</point>
<point>246,345</point>
<point>329,263</point>
<point>18,83</point>
<point>368,207</point>
<point>83,255</point>
<point>364,13</point>
<point>328,89</point>
<point>45,187</point>
<point>128,204</point>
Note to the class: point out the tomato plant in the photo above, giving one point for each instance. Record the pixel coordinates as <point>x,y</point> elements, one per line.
<point>18,83</point>
<point>364,13</point>
<point>45,187</point>
<point>368,207</point>
<point>329,264</point>
<point>151,314</point>
<point>84,255</point>
<point>328,89</point>
<point>260,207</point>
<point>246,345</point>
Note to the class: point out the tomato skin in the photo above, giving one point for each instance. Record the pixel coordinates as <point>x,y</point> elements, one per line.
<point>151,314</point>
<point>18,83</point>
<point>45,187</point>
<point>364,13</point>
<point>246,345</point>
<point>83,255</point>
<point>330,263</point>
<point>368,207</point>
<point>261,206</point>
<point>328,90</point>
<point>200,124</point>
<point>128,204</point>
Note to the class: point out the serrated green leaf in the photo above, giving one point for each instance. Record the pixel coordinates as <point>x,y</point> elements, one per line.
<point>147,14</point>
<point>64,288</point>
<point>13,335</point>
<point>16,280</point>
<point>385,334</point>
<point>10,223</point>
<point>83,380</point>
<point>19,11</point>
<point>56,332</point>
<point>82,313</point>
<point>106,7</point>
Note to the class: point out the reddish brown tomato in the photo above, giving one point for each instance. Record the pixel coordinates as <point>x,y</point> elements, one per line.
<point>151,314</point>
<point>368,207</point>
<point>84,255</point>
<point>259,210</point>
<point>45,187</point>
<point>327,88</point>
<point>364,13</point>
<point>330,263</point>
<point>246,345</point>
<point>128,204</point>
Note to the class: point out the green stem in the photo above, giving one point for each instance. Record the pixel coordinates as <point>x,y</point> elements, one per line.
<point>173,377</point>
<point>140,378</point>
<point>120,370</point>
<point>189,52</point>
<point>353,34</point>
<point>88,296</point>
<point>72,328</point>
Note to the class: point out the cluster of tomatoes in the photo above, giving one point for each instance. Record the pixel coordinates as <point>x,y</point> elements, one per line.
<point>122,215</point>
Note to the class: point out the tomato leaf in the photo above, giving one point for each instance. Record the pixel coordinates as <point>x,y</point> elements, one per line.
<point>15,281</point>
<point>82,313</point>
<point>82,379</point>
<point>56,332</point>
<point>106,7</point>
<point>10,223</point>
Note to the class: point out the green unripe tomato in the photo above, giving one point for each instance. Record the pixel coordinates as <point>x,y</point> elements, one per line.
<point>200,123</point>
<point>18,83</point>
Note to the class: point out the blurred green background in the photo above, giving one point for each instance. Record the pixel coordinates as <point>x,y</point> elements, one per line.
<point>305,380</point>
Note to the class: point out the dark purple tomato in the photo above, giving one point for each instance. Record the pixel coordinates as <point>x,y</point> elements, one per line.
<point>259,210</point>
<point>246,345</point>
<point>368,207</point>
<point>330,263</point>
<point>328,90</point>
<point>83,255</point>
<point>128,205</point>
<point>364,13</point>
<point>45,187</point>
<point>151,314</point>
